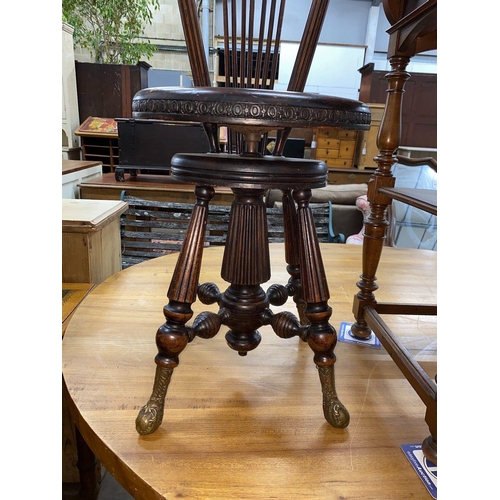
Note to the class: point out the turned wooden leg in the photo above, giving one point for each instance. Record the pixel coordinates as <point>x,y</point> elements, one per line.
<point>375,226</point>
<point>373,242</point>
<point>321,336</point>
<point>173,336</point>
<point>429,445</point>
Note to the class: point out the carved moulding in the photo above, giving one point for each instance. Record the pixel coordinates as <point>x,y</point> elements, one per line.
<point>227,106</point>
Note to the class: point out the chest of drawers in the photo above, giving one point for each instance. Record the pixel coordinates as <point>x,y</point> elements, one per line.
<point>336,147</point>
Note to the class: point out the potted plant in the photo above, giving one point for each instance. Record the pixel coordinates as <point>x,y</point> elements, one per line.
<point>112,32</point>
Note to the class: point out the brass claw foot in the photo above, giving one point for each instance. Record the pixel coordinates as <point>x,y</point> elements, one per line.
<point>149,418</point>
<point>151,414</point>
<point>335,412</point>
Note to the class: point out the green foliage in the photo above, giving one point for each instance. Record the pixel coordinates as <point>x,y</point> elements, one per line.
<point>111,29</point>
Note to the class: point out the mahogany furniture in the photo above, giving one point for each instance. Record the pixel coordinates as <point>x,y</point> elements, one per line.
<point>107,89</point>
<point>250,428</point>
<point>413,30</point>
<point>250,109</point>
<point>164,188</point>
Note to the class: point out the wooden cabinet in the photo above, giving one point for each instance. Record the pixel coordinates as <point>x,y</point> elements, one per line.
<point>91,244</point>
<point>419,111</point>
<point>349,175</point>
<point>336,147</point>
<point>107,89</point>
<point>102,149</point>
<point>367,140</point>
<point>99,141</point>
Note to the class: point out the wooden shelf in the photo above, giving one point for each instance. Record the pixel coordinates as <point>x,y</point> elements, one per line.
<point>99,140</point>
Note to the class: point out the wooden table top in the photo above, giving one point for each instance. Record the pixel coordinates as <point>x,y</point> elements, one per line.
<point>151,187</point>
<point>90,214</point>
<point>144,181</point>
<point>69,166</point>
<point>251,427</point>
<point>72,295</point>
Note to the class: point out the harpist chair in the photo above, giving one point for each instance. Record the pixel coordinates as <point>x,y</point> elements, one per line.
<point>250,108</point>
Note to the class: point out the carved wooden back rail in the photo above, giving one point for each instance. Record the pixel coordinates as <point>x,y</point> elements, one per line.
<point>240,72</point>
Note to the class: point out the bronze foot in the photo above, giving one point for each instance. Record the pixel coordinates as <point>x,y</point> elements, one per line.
<point>335,412</point>
<point>151,414</point>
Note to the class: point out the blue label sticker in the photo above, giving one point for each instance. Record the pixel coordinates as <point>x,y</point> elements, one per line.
<point>426,470</point>
<point>346,336</point>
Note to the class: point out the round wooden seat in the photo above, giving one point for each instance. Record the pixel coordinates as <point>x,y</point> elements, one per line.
<point>240,108</point>
<point>257,172</point>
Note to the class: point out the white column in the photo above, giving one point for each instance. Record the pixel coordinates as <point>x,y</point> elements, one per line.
<point>371,32</point>
<point>70,115</point>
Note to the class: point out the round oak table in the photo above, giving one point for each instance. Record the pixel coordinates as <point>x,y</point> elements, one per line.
<point>250,427</point>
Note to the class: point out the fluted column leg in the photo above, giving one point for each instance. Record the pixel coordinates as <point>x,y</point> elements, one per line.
<point>246,265</point>
<point>173,336</point>
<point>321,336</point>
<point>292,253</point>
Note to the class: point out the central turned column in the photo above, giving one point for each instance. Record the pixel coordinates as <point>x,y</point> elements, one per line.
<point>246,265</point>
